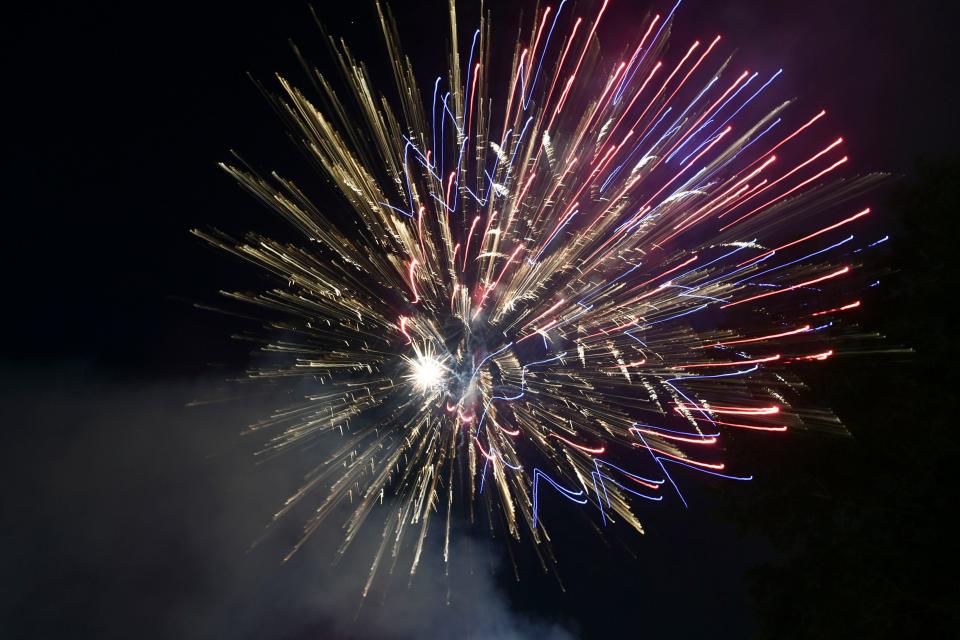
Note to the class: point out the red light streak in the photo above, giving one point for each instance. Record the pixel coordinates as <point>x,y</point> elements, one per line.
<point>403,328</point>
<point>706,465</point>
<point>508,432</point>
<point>586,45</point>
<point>793,332</point>
<point>752,427</point>
<point>413,284</point>
<point>797,168</point>
<point>466,249</point>
<point>846,307</point>
<point>823,355</point>
<point>807,237</point>
<point>838,272</point>
<point>553,308</point>
<point>593,450</point>
<point>486,455</point>
<point>786,193</point>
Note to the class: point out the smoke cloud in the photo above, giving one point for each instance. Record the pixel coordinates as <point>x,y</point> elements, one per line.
<point>135,514</point>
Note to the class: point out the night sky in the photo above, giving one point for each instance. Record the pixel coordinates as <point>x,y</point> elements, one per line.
<point>130,510</point>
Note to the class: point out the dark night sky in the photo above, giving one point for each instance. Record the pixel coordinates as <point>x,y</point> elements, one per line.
<point>129,514</point>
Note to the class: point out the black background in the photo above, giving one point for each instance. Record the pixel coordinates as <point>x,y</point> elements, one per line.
<point>128,514</point>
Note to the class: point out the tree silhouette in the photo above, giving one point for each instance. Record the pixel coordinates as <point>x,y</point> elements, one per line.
<point>864,533</point>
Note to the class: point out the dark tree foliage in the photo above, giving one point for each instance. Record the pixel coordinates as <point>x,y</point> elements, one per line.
<point>865,527</point>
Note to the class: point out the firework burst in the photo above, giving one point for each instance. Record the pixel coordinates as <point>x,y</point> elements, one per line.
<point>572,295</point>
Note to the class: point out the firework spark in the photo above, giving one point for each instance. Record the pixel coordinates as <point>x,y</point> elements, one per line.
<point>579,291</point>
